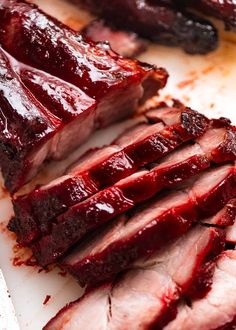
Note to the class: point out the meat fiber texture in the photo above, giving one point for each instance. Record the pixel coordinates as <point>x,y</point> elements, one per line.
<point>124,43</point>
<point>144,143</point>
<point>145,296</point>
<point>111,88</point>
<point>149,228</point>
<point>219,304</point>
<point>161,21</point>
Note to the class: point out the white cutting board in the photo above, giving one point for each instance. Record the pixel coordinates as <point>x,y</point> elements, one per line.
<point>206,83</point>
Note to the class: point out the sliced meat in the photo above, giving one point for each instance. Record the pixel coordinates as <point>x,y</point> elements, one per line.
<point>145,296</point>
<point>158,21</point>
<point>146,230</point>
<point>122,42</point>
<point>219,304</point>
<point>117,84</point>
<point>142,144</point>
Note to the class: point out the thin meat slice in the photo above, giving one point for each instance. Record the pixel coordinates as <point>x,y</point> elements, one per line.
<point>122,42</point>
<point>128,238</point>
<point>140,145</point>
<point>219,304</point>
<point>158,21</point>
<point>116,83</point>
<point>145,296</point>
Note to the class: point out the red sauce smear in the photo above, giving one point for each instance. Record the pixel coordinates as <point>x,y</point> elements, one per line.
<point>186,83</point>
<point>46,300</point>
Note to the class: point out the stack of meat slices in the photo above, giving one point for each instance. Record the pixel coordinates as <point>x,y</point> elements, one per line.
<point>83,86</point>
<point>142,220</point>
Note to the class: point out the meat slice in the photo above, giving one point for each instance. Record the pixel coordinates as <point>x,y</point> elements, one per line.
<point>220,302</point>
<point>116,83</point>
<point>122,42</point>
<point>158,21</point>
<point>142,144</point>
<point>128,238</point>
<point>145,296</point>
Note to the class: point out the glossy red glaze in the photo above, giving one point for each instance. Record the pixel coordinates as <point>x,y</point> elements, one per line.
<point>146,295</point>
<point>26,126</point>
<point>121,251</point>
<point>160,21</point>
<point>41,41</point>
<point>106,205</point>
<point>126,157</point>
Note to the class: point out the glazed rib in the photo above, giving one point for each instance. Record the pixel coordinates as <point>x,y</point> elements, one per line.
<point>219,303</point>
<point>145,296</point>
<point>122,42</point>
<point>140,145</point>
<point>159,22</point>
<point>41,41</point>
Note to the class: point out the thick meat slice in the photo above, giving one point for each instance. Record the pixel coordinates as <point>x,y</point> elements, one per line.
<point>109,203</point>
<point>219,304</point>
<point>145,296</point>
<point>116,83</point>
<point>123,42</point>
<point>130,237</point>
<point>138,146</point>
<point>157,21</point>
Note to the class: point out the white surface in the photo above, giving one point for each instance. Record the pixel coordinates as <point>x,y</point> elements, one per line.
<point>212,91</point>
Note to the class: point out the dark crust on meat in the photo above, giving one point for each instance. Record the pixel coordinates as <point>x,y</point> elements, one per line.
<point>162,22</point>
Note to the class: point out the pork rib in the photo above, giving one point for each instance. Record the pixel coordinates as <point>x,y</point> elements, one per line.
<point>142,144</point>
<point>160,22</point>
<point>220,302</point>
<point>145,296</point>
<point>113,81</point>
<point>128,238</point>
